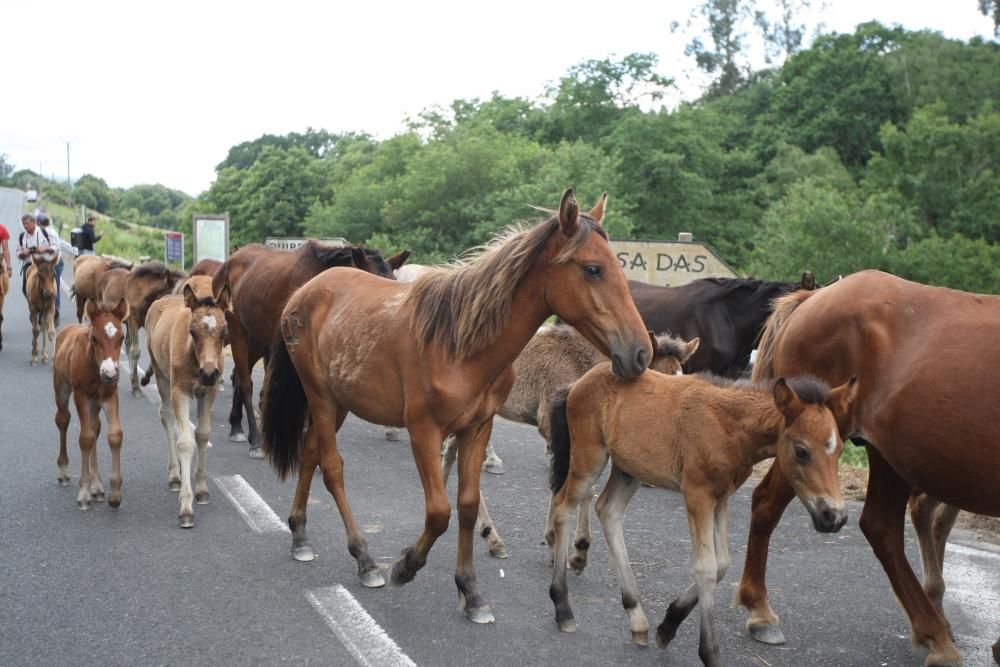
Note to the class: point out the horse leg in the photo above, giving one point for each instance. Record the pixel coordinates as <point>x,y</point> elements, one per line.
<point>581,541</point>
<point>201,435</point>
<point>924,511</point>
<point>115,437</point>
<point>49,340</point>
<point>62,391</point>
<point>96,486</point>
<point>484,524</point>
<point>770,499</point>
<point>167,419</point>
<point>132,348</point>
<point>493,464</point>
<point>237,346</point>
<point>471,443</point>
<point>185,453</point>
<point>80,301</point>
<point>332,466</point>
<point>425,442</point>
<point>882,524</point>
<point>35,329</point>
<point>308,461</point>
<point>611,512</point>
<point>87,443</point>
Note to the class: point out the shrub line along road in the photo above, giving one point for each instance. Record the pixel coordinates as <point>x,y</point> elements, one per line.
<point>130,587</point>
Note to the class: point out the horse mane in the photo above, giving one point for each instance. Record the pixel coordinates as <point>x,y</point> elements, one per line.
<point>758,286</point>
<point>117,262</point>
<point>668,345</point>
<point>809,388</point>
<point>464,306</point>
<point>155,270</point>
<point>329,255</point>
<point>782,308</point>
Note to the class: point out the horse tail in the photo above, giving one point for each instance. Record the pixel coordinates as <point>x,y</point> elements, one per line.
<point>763,368</point>
<point>145,378</point>
<point>284,410</point>
<point>559,435</point>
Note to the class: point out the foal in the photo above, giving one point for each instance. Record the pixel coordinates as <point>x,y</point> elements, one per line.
<point>86,366</point>
<point>42,304</point>
<point>186,335</point>
<point>698,435</point>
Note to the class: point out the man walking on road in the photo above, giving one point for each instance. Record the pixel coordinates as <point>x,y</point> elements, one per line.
<point>34,240</point>
<point>89,237</point>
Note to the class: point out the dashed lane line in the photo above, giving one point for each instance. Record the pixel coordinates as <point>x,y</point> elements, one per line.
<point>254,509</point>
<point>365,639</point>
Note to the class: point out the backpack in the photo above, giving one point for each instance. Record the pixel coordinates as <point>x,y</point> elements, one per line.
<point>76,237</point>
<point>20,238</point>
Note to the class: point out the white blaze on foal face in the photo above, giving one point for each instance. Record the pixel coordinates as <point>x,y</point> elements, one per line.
<point>831,443</point>
<point>110,329</point>
<point>209,322</point>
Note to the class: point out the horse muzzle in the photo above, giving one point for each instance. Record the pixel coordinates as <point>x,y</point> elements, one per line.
<point>827,518</point>
<point>209,377</point>
<point>629,361</point>
<point>108,372</point>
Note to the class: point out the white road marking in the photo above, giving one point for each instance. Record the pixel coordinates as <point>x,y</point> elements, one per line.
<point>972,582</point>
<point>254,510</point>
<point>357,630</point>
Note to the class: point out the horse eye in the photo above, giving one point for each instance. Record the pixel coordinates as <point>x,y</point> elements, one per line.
<point>801,454</point>
<point>592,271</point>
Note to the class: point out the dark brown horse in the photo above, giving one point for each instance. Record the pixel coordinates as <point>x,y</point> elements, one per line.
<point>435,356</point>
<point>727,314</point>
<point>926,359</point>
<point>206,267</point>
<point>261,279</point>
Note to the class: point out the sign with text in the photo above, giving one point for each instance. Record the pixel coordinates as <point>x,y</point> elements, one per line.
<point>210,237</point>
<point>173,250</point>
<point>285,243</point>
<point>669,263</point>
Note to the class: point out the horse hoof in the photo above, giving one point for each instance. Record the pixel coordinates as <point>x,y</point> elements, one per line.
<point>495,468</point>
<point>665,634</point>
<point>392,435</point>
<point>174,486</point>
<point>767,634</point>
<point>400,574</point>
<point>136,393</point>
<point>578,564</point>
<point>568,625</point>
<point>640,638</point>
<point>499,551</point>
<point>303,554</point>
<point>237,436</point>
<point>482,615</point>
<point>257,453</point>
<point>84,505</point>
<point>98,497</point>
<point>201,498</point>
<point>186,521</point>
<point>114,503</point>
<point>34,363</point>
<point>372,579</point>
<point>63,481</point>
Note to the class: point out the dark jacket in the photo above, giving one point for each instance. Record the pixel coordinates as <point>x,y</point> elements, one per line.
<point>88,238</point>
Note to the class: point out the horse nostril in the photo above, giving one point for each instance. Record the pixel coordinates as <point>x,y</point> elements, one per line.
<point>641,359</point>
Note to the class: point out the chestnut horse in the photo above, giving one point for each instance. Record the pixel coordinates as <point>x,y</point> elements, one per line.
<point>141,286</point>
<point>435,356</point>
<point>699,435</point>
<point>186,335</point>
<point>41,287</point>
<point>554,357</point>
<point>205,267</point>
<point>926,358</point>
<point>87,272</point>
<point>86,367</point>
<point>261,279</point>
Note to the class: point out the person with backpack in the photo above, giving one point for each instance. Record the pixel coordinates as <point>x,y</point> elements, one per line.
<point>36,240</point>
<point>55,242</point>
<point>88,237</point>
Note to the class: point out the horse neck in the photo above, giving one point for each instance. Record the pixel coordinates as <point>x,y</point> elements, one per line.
<point>758,424</point>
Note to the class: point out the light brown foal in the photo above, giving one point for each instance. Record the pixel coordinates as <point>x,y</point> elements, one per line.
<point>42,304</point>
<point>186,334</point>
<point>695,434</point>
<point>86,367</point>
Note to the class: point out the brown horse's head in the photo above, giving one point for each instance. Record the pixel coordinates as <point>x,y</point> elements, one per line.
<point>810,445</point>
<point>207,331</point>
<point>587,288</point>
<point>106,336</point>
<point>371,260</point>
<point>669,353</point>
<point>45,275</point>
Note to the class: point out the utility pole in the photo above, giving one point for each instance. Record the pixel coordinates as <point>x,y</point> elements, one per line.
<point>69,181</point>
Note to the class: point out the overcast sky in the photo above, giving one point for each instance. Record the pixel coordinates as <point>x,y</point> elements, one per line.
<point>157,93</point>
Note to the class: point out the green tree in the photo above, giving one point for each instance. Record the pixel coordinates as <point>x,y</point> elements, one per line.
<point>94,193</point>
<point>719,44</point>
<point>957,262</point>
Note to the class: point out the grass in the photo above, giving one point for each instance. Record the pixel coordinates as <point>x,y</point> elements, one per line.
<point>854,455</point>
<point>119,238</point>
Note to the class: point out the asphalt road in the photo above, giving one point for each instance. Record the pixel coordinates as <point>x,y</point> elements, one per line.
<point>129,587</point>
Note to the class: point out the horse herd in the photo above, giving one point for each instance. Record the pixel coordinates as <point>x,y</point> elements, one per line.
<point>906,369</point>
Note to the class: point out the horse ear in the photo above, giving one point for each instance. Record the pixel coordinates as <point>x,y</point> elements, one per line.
<point>190,300</point>
<point>786,400</point>
<point>808,281</point>
<point>569,213</point>
<point>652,340</point>
<point>121,310</point>
<point>90,309</point>
<point>223,298</point>
<point>597,213</point>
<point>690,348</point>
<point>398,259</point>
<point>359,258</point>
<point>841,398</point>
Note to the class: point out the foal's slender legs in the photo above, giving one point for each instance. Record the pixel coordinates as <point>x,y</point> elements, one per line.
<point>87,443</point>
<point>132,349</point>
<point>933,521</point>
<point>611,512</point>
<point>170,427</point>
<point>484,525</point>
<point>62,392</point>
<point>185,453</point>
<point>882,524</point>
<point>96,487</point>
<point>201,435</point>
<point>115,437</point>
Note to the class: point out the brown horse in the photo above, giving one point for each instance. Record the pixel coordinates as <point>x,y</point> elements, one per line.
<point>205,267</point>
<point>554,357</point>
<point>435,356</point>
<point>261,280</point>
<point>701,436</point>
<point>41,287</point>
<point>186,335</point>
<point>86,367</point>
<point>87,272</point>
<point>141,286</point>
<point>926,411</point>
